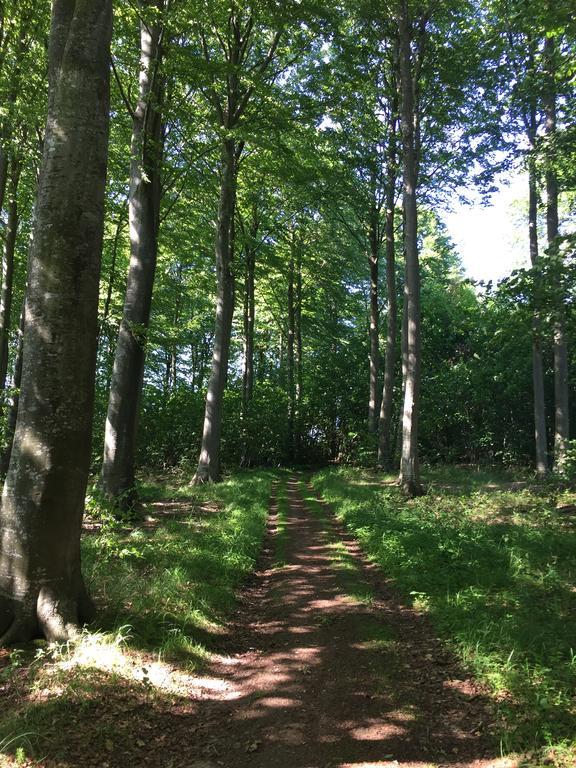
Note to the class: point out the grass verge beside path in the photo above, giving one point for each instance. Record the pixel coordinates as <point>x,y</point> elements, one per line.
<point>163,590</point>
<point>493,563</point>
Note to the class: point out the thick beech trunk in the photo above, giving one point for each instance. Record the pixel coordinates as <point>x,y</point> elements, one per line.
<point>561,378</point>
<point>409,463</point>
<point>374,337</point>
<point>8,271</point>
<point>117,477</point>
<point>41,586</point>
<point>208,469</point>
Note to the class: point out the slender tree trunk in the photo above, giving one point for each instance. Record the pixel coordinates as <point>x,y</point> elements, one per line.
<point>561,378</point>
<point>41,586</point>
<point>112,276</point>
<point>209,469</point>
<point>13,401</point>
<point>537,364</point>
<point>248,369</point>
<point>385,444</point>
<point>7,126</point>
<point>8,271</point>
<point>290,368</point>
<point>299,371</point>
<point>385,451</point>
<point>117,477</point>
<point>404,358</point>
<point>3,176</point>
<point>409,464</point>
<point>374,321</point>
<point>249,318</point>
<point>173,376</point>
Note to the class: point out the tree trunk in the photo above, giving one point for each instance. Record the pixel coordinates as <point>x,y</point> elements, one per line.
<point>409,464</point>
<point>8,271</point>
<point>299,371</point>
<point>15,78</point>
<point>41,586</point>
<point>112,276</point>
<point>290,368</point>
<point>561,379</point>
<point>13,401</point>
<point>249,318</point>
<point>117,477</point>
<point>385,451</point>
<point>208,469</point>
<point>374,321</point>
<point>537,364</point>
<point>3,176</point>
<point>248,370</point>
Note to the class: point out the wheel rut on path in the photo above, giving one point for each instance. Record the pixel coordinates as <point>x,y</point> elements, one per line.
<point>328,669</point>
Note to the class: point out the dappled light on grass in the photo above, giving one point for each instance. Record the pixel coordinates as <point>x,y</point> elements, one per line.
<point>173,580</point>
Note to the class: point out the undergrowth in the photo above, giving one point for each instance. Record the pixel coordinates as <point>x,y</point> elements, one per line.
<point>494,565</point>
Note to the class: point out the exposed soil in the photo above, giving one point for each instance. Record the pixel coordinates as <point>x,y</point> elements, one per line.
<point>319,679</point>
<point>325,667</point>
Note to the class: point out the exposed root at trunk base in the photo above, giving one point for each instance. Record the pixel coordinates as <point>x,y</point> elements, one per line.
<point>57,618</point>
<point>203,479</point>
<point>412,489</point>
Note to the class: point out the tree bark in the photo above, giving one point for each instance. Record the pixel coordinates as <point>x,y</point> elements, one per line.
<point>41,586</point>
<point>561,378</point>
<point>209,469</point>
<point>374,239</point>
<point>409,464</point>
<point>117,476</point>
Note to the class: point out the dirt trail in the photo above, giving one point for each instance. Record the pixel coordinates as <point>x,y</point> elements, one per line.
<point>329,670</point>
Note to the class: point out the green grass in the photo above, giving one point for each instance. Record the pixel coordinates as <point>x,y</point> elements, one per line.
<point>163,590</point>
<point>494,564</point>
<point>174,583</point>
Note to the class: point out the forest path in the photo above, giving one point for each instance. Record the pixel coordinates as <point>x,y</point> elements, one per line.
<point>328,669</point>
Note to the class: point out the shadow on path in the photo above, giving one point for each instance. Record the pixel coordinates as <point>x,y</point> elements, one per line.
<point>326,668</point>
<point>321,679</point>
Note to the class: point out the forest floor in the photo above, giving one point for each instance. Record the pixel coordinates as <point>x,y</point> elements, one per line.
<point>321,665</point>
<point>328,669</point>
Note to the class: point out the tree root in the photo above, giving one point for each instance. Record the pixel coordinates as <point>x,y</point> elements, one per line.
<point>57,619</point>
<point>203,479</point>
<point>412,489</point>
